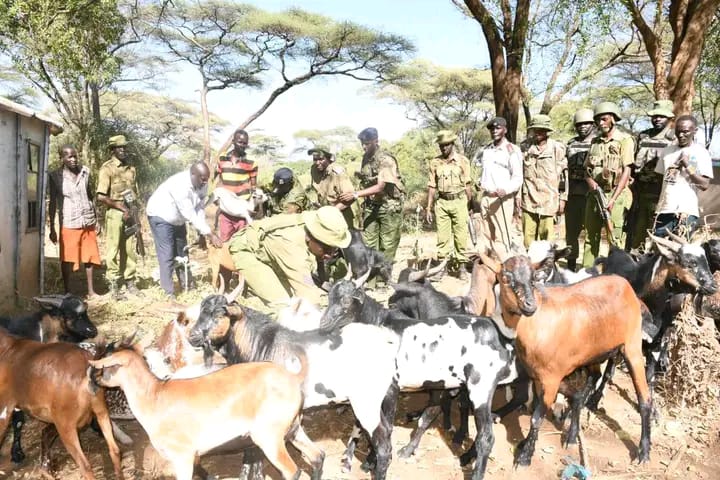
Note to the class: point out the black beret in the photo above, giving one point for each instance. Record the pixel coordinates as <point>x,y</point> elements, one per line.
<point>282,176</point>
<point>497,122</point>
<point>368,134</point>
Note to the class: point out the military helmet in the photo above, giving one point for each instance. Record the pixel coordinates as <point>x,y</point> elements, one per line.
<point>607,107</point>
<point>662,108</point>
<point>327,225</point>
<point>541,122</point>
<point>282,176</point>
<point>584,115</point>
<point>117,141</point>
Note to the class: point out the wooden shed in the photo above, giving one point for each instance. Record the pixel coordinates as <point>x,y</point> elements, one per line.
<point>24,149</point>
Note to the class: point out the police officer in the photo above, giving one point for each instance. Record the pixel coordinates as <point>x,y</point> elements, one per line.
<point>277,255</point>
<point>648,183</point>
<point>544,169</point>
<point>607,168</point>
<point>577,150</point>
<point>384,193</point>
<point>328,181</point>
<point>450,178</point>
<point>115,177</point>
<point>286,194</point>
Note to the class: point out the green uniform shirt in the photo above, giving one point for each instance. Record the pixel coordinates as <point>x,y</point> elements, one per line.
<point>607,158</point>
<point>576,153</point>
<point>649,151</point>
<point>542,171</point>
<point>328,185</point>
<point>382,167</point>
<point>114,178</point>
<point>295,201</point>
<point>449,175</point>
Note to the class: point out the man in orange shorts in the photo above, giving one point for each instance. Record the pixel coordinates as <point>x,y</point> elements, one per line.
<point>70,197</point>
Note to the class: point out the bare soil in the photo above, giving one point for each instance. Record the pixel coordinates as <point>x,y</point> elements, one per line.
<point>686,444</point>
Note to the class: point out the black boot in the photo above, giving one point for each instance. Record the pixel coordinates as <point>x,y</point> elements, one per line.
<point>572,264</point>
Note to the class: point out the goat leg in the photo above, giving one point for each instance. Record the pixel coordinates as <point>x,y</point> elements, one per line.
<point>347,457</point>
<point>47,437</point>
<point>381,437</point>
<point>17,420</point>
<point>519,398</point>
<point>578,401</point>
<point>544,398</point>
<point>464,405</point>
<point>593,402</point>
<point>252,465</point>
<point>428,416</point>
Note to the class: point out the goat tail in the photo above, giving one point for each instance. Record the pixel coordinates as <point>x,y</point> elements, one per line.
<point>297,364</point>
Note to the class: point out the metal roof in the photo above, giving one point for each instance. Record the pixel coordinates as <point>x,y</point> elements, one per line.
<point>6,104</point>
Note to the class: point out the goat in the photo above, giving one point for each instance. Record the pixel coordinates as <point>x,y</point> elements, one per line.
<point>564,328</point>
<point>362,261</point>
<point>50,382</point>
<point>709,305</point>
<point>334,373</point>
<point>236,206</point>
<point>441,353</point>
<point>186,418</point>
<point>63,317</point>
<point>547,254</point>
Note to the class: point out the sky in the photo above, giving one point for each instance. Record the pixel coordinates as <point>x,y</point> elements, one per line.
<point>438,29</point>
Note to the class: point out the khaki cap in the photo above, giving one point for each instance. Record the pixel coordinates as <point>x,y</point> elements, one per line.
<point>445,136</point>
<point>662,108</point>
<point>541,122</point>
<point>117,141</point>
<point>320,149</point>
<point>328,226</point>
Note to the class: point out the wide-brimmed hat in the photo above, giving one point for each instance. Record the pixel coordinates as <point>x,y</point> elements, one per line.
<point>328,225</point>
<point>117,141</point>
<point>662,108</point>
<point>320,149</point>
<point>541,122</point>
<point>445,136</point>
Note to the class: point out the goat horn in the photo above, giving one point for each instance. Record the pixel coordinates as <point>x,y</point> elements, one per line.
<point>238,290</point>
<point>666,243</point>
<point>438,268</point>
<point>679,239</point>
<point>50,300</point>
<point>417,276</point>
<point>360,281</point>
<point>221,285</point>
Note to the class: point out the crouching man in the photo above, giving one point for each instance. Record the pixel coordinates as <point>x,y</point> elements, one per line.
<point>277,255</point>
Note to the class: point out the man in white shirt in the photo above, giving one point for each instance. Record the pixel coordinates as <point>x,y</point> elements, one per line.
<point>501,177</point>
<point>179,199</point>
<point>686,168</point>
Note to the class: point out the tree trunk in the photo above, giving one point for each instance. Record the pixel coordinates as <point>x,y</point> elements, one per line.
<point>95,104</point>
<point>206,123</point>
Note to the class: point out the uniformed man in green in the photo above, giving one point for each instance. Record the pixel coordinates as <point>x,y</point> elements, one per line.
<point>115,177</point>
<point>607,167</point>
<point>450,178</point>
<point>648,183</point>
<point>277,255</point>
<point>544,170</point>
<point>328,181</point>
<point>286,194</point>
<point>577,150</point>
<point>384,193</point>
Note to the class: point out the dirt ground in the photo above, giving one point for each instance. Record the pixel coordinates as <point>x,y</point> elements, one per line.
<point>686,444</point>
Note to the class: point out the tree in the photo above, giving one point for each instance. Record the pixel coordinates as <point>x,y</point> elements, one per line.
<point>505,33</point>
<point>458,99</point>
<point>338,139</point>
<point>707,82</point>
<point>685,23</point>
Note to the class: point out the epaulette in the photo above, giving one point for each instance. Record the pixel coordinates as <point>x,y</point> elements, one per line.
<point>337,169</point>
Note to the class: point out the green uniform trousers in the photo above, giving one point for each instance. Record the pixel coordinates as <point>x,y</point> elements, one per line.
<point>536,227</point>
<point>120,255</point>
<point>574,224</point>
<point>644,218</point>
<point>594,224</point>
<point>381,227</point>
<point>451,218</point>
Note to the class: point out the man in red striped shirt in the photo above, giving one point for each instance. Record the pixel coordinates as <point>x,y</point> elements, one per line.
<point>239,175</point>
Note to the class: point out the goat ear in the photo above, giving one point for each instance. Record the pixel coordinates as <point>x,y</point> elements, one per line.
<point>234,311</point>
<point>144,343</point>
<point>106,362</point>
<point>491,263</point>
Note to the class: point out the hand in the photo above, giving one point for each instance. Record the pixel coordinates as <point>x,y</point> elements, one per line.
<point>347,197</point>
<point>561,208</point>
<point>610,205</point>
<point>53,236</point>
<point>126,215</point>
<point>592,184</point>
<point>500,192</point>
<point>683,161</point>
<point>429,216</point>
<point>215,240</point>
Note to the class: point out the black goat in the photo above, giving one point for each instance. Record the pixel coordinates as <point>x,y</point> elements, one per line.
<point>362,261</point>
<point>62,318</point>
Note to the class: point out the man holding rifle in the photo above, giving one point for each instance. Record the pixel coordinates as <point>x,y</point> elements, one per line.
<point>117,190</point>
<point>607,171</point>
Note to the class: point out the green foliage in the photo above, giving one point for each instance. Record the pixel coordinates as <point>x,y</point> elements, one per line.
<point>413,153</point>
<point>707,84</point>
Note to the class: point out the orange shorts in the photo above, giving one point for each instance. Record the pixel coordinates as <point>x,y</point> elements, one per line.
<point>79,245</point>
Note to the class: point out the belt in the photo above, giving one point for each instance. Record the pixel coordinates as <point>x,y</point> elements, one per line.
<point>450,196</point>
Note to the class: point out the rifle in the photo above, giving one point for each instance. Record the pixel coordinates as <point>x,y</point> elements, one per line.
<point>605,214</point>
<point>471,229</point>
<point>132,225</point>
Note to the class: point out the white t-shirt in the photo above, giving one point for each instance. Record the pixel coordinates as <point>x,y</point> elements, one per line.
<point>678,194</point>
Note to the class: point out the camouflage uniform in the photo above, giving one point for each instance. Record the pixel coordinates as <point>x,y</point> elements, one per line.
<point>120,256</point>
<point>577,151</point>
<point>647,183</point>
<point>382,213</point>
<point>295,201</point>
<point>543,171</point>
<point>325,188</point>
<point>604,164</point>
<point>450,177</point>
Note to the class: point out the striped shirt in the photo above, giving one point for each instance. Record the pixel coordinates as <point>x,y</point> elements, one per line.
<point>237,174</point>
<point>76,208</point>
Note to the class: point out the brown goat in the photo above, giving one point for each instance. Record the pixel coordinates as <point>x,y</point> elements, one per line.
<point>480,296</point>
<point>561,329</point>
<point>186,418</point>
<point>50,382</point>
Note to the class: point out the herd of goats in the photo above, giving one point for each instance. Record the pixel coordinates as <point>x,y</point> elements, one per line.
<point>221,371</point>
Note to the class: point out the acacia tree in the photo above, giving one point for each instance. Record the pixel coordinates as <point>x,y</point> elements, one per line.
<point>505,30</point>
<point>459,99</point>
<point>685,23</point>
<point>707,82</point>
